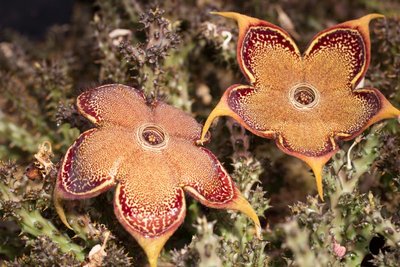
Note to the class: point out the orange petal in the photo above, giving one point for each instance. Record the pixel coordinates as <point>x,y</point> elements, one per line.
<point>225,107</point>
<point>151,224</point>
<point>172,120</point>
<point>149,202</point>
<point>89,167</point>
<point>341,53</point>
<point>202,175</point>
<point>114,103</point>
<point>384,110</point>
<point>262,45</point>
<point>91,163</point>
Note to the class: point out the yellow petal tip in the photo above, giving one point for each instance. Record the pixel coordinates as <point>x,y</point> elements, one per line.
<point>226,14</point>
<point>153,246</point>
<point>318,179</point>
<point>60,211</point>
<point>317,166</point>
<point>220,110</point>
<point>365,20</point>
<point>242,205</point>
<point>241,19</point>
<point>373,16</point>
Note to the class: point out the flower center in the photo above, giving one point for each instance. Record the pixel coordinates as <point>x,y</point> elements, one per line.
<point>152,137</point>
<point>304,96</point>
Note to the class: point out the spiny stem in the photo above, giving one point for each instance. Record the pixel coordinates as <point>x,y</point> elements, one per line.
<point>32,222</point>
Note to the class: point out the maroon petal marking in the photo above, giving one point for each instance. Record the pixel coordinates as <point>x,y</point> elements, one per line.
<point>263,48</point>
<point>114,104</point>
<point>237,100</point>
<point>200,173</point>
<point>92,163</point>
<point>149,221</point>
<point>216,192</point>
<point>338,45</point>
<point>266,52</point>
<point>203,177</point>
<point>346,45</point>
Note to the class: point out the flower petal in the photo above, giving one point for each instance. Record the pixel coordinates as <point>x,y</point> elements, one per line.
<point>114,103</point>
<point>308,132</point>
<point>202,175</point>
<point>339,55</point>
<point>150,214</point>
<point>266,53</point>
<point>231,105</point>
<point>90,164</point>
<point>309,135</point>
<point>379,109</point>
<point>172,119</point>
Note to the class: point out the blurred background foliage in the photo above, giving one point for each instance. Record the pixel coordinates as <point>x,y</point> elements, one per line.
<point>178,52</point>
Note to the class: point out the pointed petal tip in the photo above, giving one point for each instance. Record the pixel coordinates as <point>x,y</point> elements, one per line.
<point>317,166</point>
<point>318,179</point>
<point>226,14</point>
<point>242,205</point>
<point>372,16</point>
<point>242,20</point>
<point>220,110</point>
<point>60,210</point>
<point>153,246</point>
<point>365,20</point>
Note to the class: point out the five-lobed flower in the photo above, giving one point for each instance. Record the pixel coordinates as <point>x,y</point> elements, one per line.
<point>148,152</point>
<point>305,102</point>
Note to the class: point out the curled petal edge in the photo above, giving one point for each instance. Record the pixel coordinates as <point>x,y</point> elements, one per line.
<point>60,193</point>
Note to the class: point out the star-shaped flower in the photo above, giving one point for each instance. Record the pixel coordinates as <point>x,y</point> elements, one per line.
<point>148,152</point>
<point>305,102</point>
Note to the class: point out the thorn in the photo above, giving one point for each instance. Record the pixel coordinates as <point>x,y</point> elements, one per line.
<point>358,140</point>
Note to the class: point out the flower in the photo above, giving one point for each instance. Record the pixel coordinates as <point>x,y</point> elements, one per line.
<point>339,250</point>
<point>148,152</point>
<point>305,102</point>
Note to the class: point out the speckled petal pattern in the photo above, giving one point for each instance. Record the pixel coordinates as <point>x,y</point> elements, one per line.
<point>149,152</point>
<point>306,103</point>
